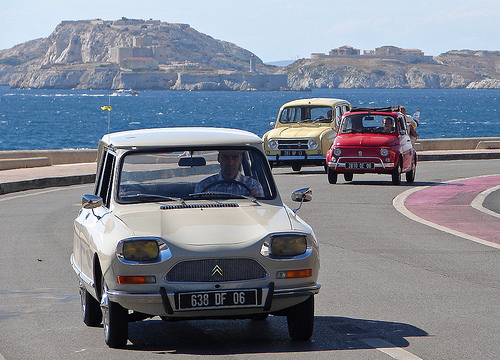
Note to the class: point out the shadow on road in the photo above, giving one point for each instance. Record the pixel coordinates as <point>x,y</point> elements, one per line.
<point>226,337</point>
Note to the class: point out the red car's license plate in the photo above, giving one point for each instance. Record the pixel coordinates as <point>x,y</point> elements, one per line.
<point>217,299</point>
<point>360,165</point>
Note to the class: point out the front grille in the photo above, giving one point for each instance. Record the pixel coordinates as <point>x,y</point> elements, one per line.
<point>294,144</point>
<point>216,270</point>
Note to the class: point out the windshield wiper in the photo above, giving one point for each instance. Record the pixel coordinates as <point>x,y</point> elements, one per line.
<point>155,196</point>
<point>216,194</point>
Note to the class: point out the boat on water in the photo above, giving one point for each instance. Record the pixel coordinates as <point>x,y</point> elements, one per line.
<point>124,92</point>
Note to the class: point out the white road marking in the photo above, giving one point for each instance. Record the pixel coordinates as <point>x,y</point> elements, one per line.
<point>9,197</point>
<point>390,349</point>
<point>399,204</point>
<point>478,201</point>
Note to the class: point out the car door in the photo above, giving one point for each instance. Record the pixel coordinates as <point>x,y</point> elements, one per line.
<point>88,221</point>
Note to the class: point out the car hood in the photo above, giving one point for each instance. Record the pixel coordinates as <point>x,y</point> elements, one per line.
<point>206,226</point>
<point>302,131</point>
<point>374,140</point>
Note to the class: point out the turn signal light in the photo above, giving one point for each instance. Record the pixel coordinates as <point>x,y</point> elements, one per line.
<point>294,274</point>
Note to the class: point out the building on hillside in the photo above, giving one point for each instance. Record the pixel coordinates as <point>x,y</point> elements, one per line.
<point>139,63</point>
<point>344,51</point>
<point>384,52</point>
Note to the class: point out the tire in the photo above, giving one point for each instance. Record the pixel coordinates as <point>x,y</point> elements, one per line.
<point>91,309</point>
<point>115,321</point>
<point>296,167</point>
<point>348,176</point>
<point>332,176</point>
<point>396,174</point>
<point>410,175</point>
<point>300,320</point>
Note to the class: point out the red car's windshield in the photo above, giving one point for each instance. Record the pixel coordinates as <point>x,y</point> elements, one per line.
<point>368,123</point>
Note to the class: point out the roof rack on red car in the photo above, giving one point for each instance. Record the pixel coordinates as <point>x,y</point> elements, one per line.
<point>393,108</point>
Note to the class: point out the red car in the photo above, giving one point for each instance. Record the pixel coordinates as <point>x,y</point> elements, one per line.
<point>372,140</point>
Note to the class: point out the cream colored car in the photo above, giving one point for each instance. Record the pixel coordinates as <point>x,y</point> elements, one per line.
<point>187,223</point>
<point>304,132</point>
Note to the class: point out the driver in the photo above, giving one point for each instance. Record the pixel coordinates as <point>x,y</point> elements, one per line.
<point>229,179</point>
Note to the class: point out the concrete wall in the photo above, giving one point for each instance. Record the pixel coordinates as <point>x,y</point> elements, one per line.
<point>14,159</point>
<point>458,144</point>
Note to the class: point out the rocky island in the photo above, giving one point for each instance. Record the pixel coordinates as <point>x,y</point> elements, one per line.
<point>151,54</point>
<point>137,54</point>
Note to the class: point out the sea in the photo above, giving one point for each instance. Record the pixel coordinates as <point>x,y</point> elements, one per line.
<point>74,119</point>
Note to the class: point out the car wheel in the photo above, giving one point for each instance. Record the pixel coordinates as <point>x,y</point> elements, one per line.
<point>396,174</point>
<point>410,175</point>
<point>332,176</point>
<point>115,321</point>
<point>91,310</point>
<point>300,320</point>
<point>348,176</point>
<point>296,167</point>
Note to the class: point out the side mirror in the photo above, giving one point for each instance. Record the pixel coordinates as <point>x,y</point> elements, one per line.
<point>302,195</point>
<point>91,201</point>
<point>272,123</point>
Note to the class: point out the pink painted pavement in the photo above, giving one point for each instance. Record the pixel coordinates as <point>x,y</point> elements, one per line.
<point>449,205</point>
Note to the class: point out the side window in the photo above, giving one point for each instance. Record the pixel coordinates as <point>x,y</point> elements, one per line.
<point>338,116</point>
<point>104,183</point>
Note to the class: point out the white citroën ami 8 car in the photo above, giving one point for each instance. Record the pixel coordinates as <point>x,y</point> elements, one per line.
<point>187,223</point>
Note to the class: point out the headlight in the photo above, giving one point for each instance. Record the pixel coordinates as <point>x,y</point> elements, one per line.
<point>312,144</point>
<point>285,246</point>
<point>273,145</point>
<point>384,152</point>
<point>140,250</point>
<point>337,151</point>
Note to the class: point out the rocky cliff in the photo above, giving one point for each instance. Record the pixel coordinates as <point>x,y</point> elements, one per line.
<point>454,69</point>
<point>150,54</point>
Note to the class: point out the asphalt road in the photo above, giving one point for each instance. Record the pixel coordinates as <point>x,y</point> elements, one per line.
<point>391,287</point>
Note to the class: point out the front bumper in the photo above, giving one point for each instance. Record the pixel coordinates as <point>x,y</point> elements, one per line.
<point>165,303</point>
<point>367,164</point>
<point>302,159</point>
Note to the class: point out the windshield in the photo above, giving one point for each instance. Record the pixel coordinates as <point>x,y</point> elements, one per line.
<point>193,174</point>
<point>368,123</point>
<point>306,114</point>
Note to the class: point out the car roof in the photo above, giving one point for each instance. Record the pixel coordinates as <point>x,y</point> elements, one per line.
<point>180,136</point>
<point>315,102</point>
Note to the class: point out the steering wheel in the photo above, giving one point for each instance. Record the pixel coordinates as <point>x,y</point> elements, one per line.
<point>227,182</point>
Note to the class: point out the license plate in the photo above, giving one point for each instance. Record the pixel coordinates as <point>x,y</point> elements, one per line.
<point>217,299</point>
<point>360,165</point>
<point>293,153</point>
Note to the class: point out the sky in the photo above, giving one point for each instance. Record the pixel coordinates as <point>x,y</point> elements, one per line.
<point>276,30</point>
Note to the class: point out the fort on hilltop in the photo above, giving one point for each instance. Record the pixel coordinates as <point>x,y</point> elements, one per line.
<point>384,52</point>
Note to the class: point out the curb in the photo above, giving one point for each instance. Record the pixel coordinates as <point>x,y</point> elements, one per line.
<point>32,184</point>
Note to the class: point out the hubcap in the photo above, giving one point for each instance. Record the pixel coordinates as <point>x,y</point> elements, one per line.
<point>105,310</point>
